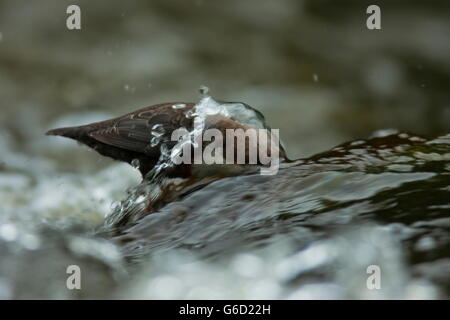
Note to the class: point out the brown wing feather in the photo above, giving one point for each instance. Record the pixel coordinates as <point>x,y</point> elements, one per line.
<point>133,131</point>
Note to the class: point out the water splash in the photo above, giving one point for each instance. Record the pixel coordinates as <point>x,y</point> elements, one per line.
<point>158,130</point>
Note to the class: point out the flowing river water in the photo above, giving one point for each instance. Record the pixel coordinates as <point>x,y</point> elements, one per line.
<point>356,197</point>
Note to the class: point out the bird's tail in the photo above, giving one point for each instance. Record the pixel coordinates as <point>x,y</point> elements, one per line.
<point>76,133</point>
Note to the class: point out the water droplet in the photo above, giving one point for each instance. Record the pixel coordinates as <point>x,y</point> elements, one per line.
<point>5,289</point>
<point>136,163</point>
<point>140,199</point>
<point>425,243</point>
<point>315,77</point>
<point>129,88</point>
<point>154,142</point>
<point>8,232</point>
<point>383,133</point>
<point>158,130</point>
<point>204,90</point>
<point>190,114</point>
<point>115,205</point>
<point>179,106</point>
<point>31,242</point>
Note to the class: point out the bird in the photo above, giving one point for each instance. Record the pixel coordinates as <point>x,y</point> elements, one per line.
<point>133,137</point>
<point>127,138</point>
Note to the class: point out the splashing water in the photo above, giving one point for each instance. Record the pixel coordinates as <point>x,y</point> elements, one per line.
<point>157,180</point>
<point>204,90</point>
<point>381,201</point>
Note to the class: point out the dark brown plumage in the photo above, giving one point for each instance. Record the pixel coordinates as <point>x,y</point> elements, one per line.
<point>128,137</point>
